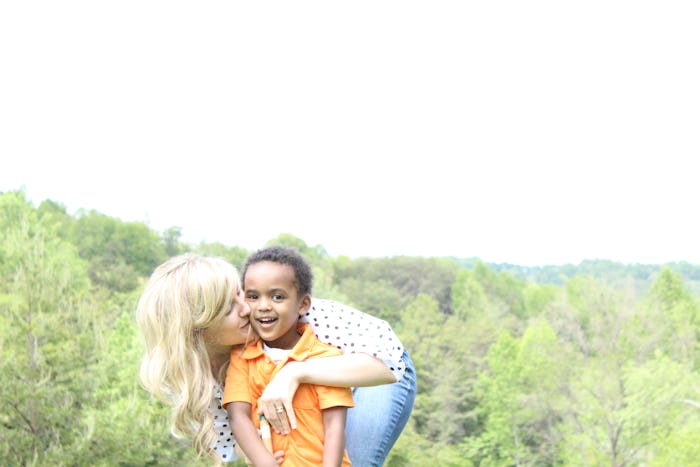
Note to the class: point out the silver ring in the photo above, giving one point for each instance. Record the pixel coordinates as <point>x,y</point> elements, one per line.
<point>280,409</point>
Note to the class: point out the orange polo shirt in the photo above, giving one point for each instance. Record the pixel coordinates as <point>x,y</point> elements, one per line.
<point>249,373</point>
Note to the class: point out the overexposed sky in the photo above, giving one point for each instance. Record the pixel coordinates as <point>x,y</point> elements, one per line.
<point>529,132</point>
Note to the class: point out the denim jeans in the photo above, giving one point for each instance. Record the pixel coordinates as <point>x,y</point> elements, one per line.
<point>379,416</point>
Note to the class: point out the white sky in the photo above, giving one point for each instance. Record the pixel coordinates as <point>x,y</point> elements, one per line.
<point>529,132</point>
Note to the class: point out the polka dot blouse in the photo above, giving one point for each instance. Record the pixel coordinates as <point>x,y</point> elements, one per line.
<point>353,331</point>
<point>344,327</point>
<point>224,437</point>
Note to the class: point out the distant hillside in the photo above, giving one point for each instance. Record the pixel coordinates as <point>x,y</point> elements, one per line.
<point>639,276</point>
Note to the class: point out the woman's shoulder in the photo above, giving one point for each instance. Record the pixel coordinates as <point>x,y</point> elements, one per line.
<point>331,306</point>
<point>332,312</point>
<point>322,309</point>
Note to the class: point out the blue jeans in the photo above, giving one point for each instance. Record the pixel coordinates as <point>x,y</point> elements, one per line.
<point>379,416</point>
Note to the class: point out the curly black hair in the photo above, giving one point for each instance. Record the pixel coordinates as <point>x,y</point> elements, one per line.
<point>304,276</point>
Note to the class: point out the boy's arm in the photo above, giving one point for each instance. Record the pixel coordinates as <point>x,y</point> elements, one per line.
<point>247,435</point>
<point>334,437</point>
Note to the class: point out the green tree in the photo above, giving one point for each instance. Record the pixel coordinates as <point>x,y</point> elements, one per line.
<point>672,318</point>
<point>409,276</point>
<point>234,255</point>
<point>522,397</point>
<point>468,296</point>
<point>620,397</point>
<point>119,252</point>
<point>505,293</point>
<point>47,341</point>
<point>379,298</point>
<point>539,298</point>
<point>441,349</point>
<point>171,241</point>
<point>316,255</point>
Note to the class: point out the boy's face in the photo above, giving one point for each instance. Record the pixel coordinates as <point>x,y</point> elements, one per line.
<point>275,306</point>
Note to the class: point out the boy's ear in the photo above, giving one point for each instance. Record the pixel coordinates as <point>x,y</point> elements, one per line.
<point>305,304</point>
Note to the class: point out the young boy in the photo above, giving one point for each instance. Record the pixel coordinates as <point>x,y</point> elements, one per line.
<point>277,284</point>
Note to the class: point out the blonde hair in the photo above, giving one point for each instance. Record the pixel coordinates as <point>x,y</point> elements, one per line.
<point>184,296</point>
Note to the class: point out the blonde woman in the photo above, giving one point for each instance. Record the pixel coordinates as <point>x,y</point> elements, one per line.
<point>192,313</point>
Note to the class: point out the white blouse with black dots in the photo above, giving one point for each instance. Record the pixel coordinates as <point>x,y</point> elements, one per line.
<point>344,327</point>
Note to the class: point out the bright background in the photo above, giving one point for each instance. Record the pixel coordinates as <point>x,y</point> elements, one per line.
<point>529,132</point>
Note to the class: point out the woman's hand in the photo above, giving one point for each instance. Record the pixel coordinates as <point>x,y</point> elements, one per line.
<point>276,400</point>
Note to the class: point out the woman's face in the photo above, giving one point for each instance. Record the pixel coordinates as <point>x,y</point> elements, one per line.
<point>233,328</point>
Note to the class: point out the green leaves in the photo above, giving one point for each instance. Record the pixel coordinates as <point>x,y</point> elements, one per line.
<point>596,365</point>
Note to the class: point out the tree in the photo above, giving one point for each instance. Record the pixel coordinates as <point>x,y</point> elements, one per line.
<point>119,252</point>
<point>47,340</point>
<point>442,351</point>
<point>379,298</point>
<point>502,289</point>
<point>522,399</point>
<point>632,367</point>
<point>410,276</point>
<point>672,318</point>
<point>171,241</point>
<point>234,255</point>
<point>468,296</point>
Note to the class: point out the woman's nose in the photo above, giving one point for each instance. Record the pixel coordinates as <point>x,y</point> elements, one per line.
<point>245,310</point>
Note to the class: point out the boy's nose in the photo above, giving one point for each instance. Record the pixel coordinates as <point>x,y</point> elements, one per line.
<point>263,303</point>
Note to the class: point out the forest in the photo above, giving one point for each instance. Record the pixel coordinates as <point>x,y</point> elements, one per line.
<point>576,365</point>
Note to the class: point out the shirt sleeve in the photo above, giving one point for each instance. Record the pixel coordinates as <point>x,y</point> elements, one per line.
<point>354,331</point>
<point>236,388</point>
<point>329,396</point>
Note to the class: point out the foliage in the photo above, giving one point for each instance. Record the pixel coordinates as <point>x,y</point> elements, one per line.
<point>468,296</point>
<point>619,275</point>
<point>409,276</point>
<point>119,252</point>
<point>234,255</point>
<point>589,364</point>
<point>521,398</point>
<point>49,330</point>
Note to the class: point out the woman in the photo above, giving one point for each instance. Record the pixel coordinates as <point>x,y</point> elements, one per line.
<point>192,313</point>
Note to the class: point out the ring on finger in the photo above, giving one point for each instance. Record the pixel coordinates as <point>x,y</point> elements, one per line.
<point>279,409</point>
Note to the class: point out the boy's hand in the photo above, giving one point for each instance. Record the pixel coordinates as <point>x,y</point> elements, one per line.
<point>279,455</point>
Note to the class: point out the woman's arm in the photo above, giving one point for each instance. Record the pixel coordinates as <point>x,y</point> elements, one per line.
<point>348,370</point>
<point>353,331</point>
<point>334,436</point>
<point>345,371</point>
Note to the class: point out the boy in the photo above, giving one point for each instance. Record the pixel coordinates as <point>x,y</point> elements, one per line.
<point>277,283</point>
